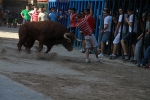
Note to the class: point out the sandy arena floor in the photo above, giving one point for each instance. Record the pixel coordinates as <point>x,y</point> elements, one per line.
<point>63,75</point>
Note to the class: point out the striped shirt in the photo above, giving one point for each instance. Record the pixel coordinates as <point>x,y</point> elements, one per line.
<point>90,20</point>
<point>83,25</point>
<point>35,16</point>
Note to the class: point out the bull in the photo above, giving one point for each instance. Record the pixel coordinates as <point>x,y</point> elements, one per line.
<point>48,33</point>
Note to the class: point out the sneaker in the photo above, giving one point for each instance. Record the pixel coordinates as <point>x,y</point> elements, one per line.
<point>141,65</point>
<point>87,60</point>
<point>97,60</point>
<point>112,56</point>
<point>133,61</point>
<point>82,51</point>
<point>100,55</point>
<point>126,58</point>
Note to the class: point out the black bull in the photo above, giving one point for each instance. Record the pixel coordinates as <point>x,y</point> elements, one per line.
<point>48,33</point>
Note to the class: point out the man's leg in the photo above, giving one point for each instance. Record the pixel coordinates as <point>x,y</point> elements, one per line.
<point>124,47</point>
<point>146,57</point>
<point>137,50</point>
<point>102,47</point>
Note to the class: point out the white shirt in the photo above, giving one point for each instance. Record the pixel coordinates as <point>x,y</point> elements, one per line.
<point>120,20</point>
<point>135,24</point>
<point>43,16</point>
<point>108,20</point>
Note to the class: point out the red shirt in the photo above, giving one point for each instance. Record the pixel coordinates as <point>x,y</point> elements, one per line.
<point>83,25</point>
<point>73,20</point>
<point>35,16</point>
<point>90,20</point>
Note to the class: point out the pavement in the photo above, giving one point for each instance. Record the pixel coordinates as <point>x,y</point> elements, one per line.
<point>9,89</point>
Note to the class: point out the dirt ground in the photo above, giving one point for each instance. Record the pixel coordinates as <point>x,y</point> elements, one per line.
<point>63,75</point>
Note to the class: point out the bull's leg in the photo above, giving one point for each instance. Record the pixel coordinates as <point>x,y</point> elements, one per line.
<point>48,48</point>
<point>40,46</point>
<point>20,43</point>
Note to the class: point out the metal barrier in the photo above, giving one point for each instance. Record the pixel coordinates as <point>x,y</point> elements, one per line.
<point>97,8</point>
<point>80,5</point>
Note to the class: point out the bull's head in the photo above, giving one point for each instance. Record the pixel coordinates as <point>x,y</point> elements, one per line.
<point>69,40</point>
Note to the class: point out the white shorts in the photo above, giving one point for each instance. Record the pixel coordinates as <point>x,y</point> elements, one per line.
<point>117,39</point>
<point>90,41</point>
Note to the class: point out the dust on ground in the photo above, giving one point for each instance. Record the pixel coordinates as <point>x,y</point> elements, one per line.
<point>63,75</point>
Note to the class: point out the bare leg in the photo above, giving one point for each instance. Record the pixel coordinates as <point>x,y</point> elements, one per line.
<point>102,48</point>
<point>124,47</point>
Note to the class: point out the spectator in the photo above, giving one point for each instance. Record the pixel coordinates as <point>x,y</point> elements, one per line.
<point>26,17</point>
<point>130,35</point>
<point>145,59</point>
<point>34,15</point>
<point>60,17</point>
<point>43,15</point>
<point>10,18</point>
<point>1,16</point>
<point>105,33</point>
<point>73,21</point>
<point>5,16</point>
<point>138,45</point>
<point>53,15</point>
<point>66,17</point>
<point>118,32</point>
<point>83,25</point>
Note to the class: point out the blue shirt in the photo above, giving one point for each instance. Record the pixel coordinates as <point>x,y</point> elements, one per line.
<point>52,16</point>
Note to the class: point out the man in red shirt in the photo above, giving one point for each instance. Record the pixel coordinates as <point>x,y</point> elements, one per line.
<point>91,22</point>
<point>83,25</point>
<point>73,21</point>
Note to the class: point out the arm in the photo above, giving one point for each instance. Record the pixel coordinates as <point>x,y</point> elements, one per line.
<point>117,28</point>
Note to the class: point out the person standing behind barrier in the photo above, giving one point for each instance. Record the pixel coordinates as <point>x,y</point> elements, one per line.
<point>5,17</point>
<point>90,39</point>
<point>34,15</point>
<point>105,33</point>
<point>43,15</point>
<point>138,45</point>
<point>73,21</point>
<point>145,59</point>
<point>130,36</point>
<point>1,16</point>
<point>10,18</point>
<point>118,32</point>
<point>53,15</point>
<point>26,17</point>
<point>60,17</point>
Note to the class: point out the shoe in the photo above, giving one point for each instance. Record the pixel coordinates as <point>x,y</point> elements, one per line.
<point>133,61</point>
<point>112,56</point>
<point>126,58</point>
<point>97,60</point>
<point>100,55</point>
<point>90,52</point>
<point>82,51</point>
<point>121,58</point>
<point>87,60</point>
<point>141,65</point>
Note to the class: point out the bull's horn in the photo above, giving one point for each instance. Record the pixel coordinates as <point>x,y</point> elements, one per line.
<point>65,36</point>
